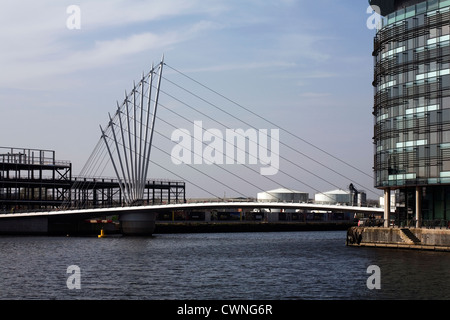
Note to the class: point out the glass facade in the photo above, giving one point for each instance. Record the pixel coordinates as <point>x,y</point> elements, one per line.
<point>412,105</point>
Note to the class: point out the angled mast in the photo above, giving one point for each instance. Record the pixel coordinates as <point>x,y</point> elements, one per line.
<point>129,135</point>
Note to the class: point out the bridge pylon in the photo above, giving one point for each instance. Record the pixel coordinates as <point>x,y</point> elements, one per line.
<point>129,134</point>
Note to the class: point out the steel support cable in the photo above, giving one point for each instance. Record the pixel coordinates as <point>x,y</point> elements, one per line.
<point>272,123</point>
<point>239,177</point>
<point>146,126</point>
<point>244,136</point>
<point>209,176</point>
<point>134,104</point>
<point>134,120</point>
<point>114,165</point>
<point>109,139</point>
<point>90,165</point>
<point>135,140</point>
<point>96,165</point>
<point>180,177</point>
<point>244,164</point>
<point>306,156</point>
<point>155,106</point>
<point>159,90</point>
<point>247,152</point>
<point>134,181</point>
<point>266,177</point>
<point>95,160</point>
<point>125,154</point>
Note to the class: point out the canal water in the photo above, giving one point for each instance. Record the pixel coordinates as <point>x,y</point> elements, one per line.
<point>262,266</point>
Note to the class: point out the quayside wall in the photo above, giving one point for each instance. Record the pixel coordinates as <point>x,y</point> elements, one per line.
<point>401,238</point>
<point>225,227</point>
<point>45,225</point>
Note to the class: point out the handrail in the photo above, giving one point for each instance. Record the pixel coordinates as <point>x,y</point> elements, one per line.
<point>408,223</point>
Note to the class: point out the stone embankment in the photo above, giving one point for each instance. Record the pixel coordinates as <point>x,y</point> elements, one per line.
<point>402,238</point>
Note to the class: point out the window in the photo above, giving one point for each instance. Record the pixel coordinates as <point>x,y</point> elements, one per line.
<point>400,15</point>
<point>445,82</point>
<point>433,117</point>
<point>434,137</point>
<point>433,33</point>
<point>445,136</point>
<point>434,151</point>
<point>446,165</point>
<point>445,30</point>
<point>434,172</point>
<point>411,11</point>
<point>444,3</point>
<point>421,7</point>
<point>446,115</point>
<point>433,4</point>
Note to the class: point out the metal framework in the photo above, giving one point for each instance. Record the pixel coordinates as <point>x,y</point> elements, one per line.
<point>128,136</point>
<point>32,179</point>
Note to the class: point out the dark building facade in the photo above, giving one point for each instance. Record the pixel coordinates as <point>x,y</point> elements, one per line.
<point>412,109</point>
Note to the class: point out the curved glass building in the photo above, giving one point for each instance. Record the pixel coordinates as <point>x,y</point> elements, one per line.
<point>412,109</point>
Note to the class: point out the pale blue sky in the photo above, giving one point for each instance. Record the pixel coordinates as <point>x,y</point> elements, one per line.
<point>305,65</point>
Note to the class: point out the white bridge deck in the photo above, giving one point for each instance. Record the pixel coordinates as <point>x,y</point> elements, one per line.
<point>200,205</point>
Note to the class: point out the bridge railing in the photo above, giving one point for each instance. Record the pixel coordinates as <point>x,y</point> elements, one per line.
<point>407,223</point>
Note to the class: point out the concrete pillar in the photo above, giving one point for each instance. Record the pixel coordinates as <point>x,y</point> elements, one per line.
<point>418,207</point>
<point>207,216</point>
<point>387,206</point>
<point>138,222</point>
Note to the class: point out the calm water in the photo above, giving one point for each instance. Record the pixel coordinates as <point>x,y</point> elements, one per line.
<point>292,265</point>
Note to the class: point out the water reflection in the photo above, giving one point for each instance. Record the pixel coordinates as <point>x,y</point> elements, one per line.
<point>290,265</point>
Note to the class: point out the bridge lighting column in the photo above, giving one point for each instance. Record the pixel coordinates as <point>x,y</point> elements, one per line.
<point>412,107</point>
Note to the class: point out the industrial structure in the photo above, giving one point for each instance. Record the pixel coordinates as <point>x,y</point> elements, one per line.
<point>33,179</point>
<point>351,197</point>
<point>337,196</point>
<point>412,108</point>
<point>282,194</point>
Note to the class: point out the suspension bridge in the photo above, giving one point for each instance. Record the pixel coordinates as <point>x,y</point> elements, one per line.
<point>127,141</point>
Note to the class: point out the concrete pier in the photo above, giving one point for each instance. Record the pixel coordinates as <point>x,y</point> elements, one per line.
<point>138,223</point>
<point>402,238</point>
